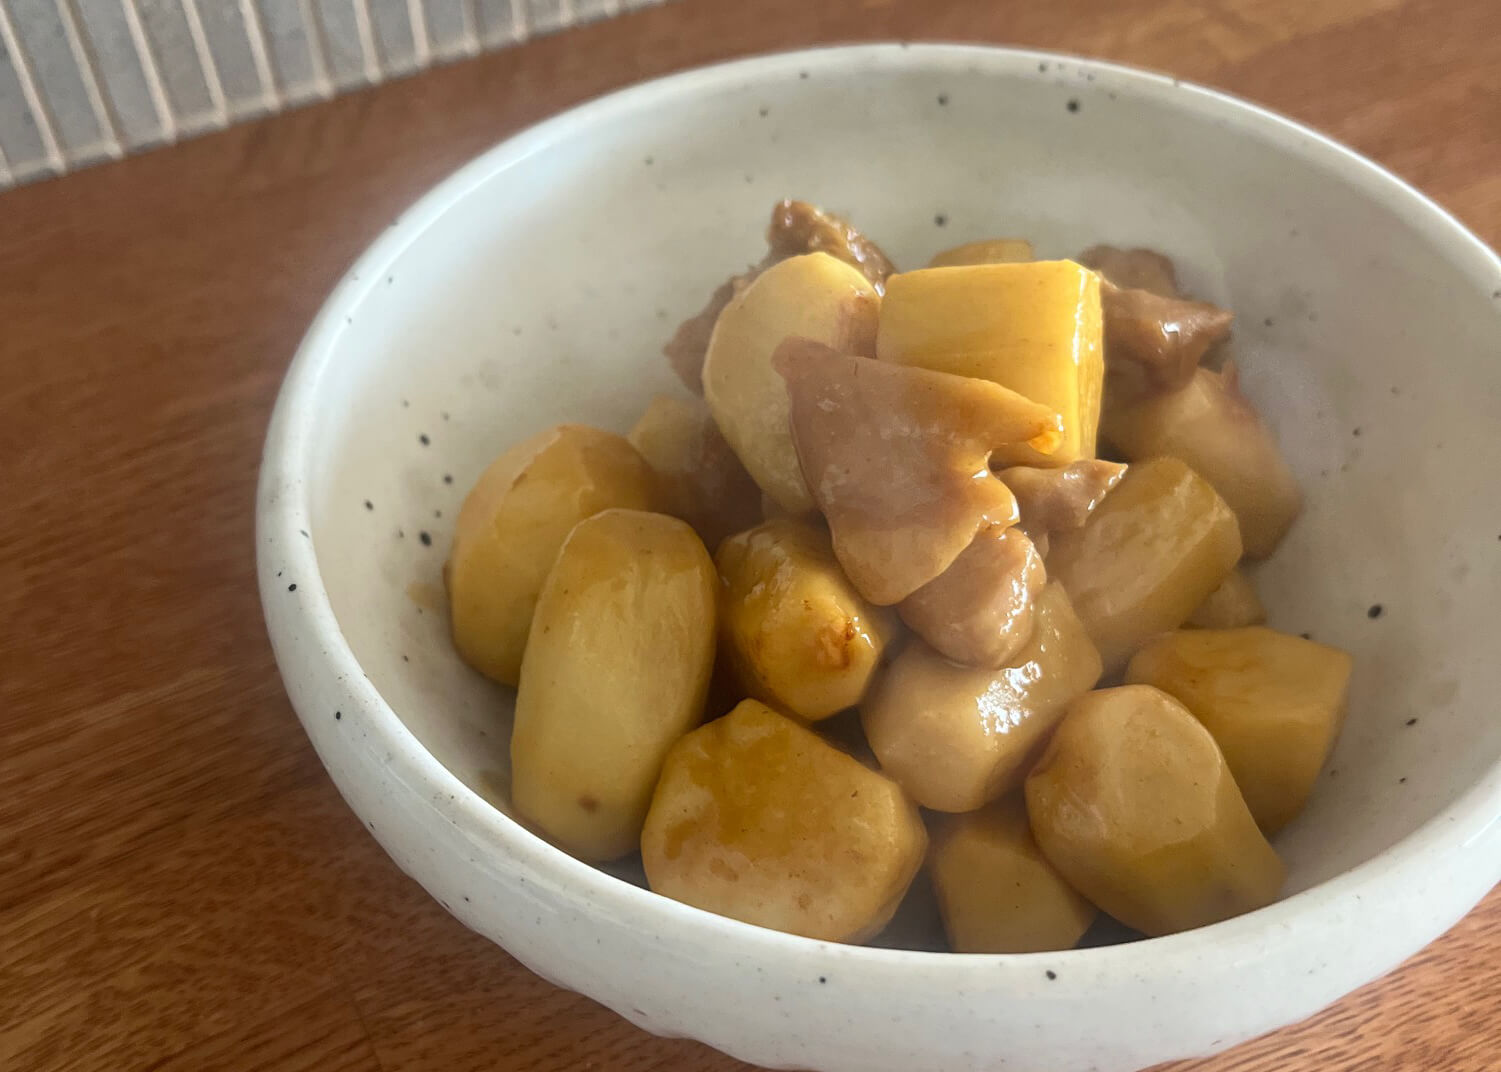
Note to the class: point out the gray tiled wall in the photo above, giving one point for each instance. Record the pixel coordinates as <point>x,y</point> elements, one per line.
<point>89,80</point>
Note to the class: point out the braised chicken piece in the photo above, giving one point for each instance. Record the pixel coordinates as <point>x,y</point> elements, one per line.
<point>979,610</point>
<point>1154,343</point>
<point>698,475</point>
<point>897,458</point>
<point>1055,500</point>
<point>957,737</point>
<point>1134,269</point>
<point>796,228</point>
<point>1154,336</point>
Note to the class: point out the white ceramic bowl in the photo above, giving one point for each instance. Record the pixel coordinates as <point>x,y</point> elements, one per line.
<point>537,284</point>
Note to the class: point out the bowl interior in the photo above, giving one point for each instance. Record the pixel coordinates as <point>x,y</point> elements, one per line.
<point>1366,330</point>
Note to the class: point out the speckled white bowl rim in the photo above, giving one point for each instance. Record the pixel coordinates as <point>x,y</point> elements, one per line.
<point>1376,938</point>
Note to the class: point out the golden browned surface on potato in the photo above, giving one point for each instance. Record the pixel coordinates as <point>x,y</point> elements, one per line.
<point>616,670</point>
<point>1141,269</point>
<point>813,296</point>
<point>511,524</point>
<point>760,819</point>
<point>1134,805</point>
<point>1031,327</point>
<point>1147,557</point>
<point>1273,702</point>
<point>701,480</point>
<point>896,459</point>
<point>979,610</point>
<point>996,892</point>
<point>1233,604</point>
<point>957,737</point>
<point>1154,343</point>
<point>985,251</point>
<point>1050,500</point>
<point>797,227</point>
<point>793,627</point>
<point>1216,430</point>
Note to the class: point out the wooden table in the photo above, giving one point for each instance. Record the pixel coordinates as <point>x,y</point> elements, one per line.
<point>180,885</point>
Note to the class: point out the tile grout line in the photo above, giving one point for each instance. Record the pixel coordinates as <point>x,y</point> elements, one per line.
<point>83,57</point>
<point>206,63</point>
<point>369,51</point>
<point>260,55</point>
<point>422,55</point>
<point>12,43</point>
<point>317,51</point>
<point>150,71</point>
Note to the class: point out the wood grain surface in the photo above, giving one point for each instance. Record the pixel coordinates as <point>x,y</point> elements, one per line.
<point>180,885</point>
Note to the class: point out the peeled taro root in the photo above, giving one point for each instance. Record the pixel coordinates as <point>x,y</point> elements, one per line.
<point>814,296</point>
<point>796,228</point>
<point>1233,605</point>
<point>699,476</point>
<point>897,459</point>
<point>957,737</point>
<point>1213,427</point>
<point>1134,804</point>
<point>985,251</point>
<point>1033,327</point>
